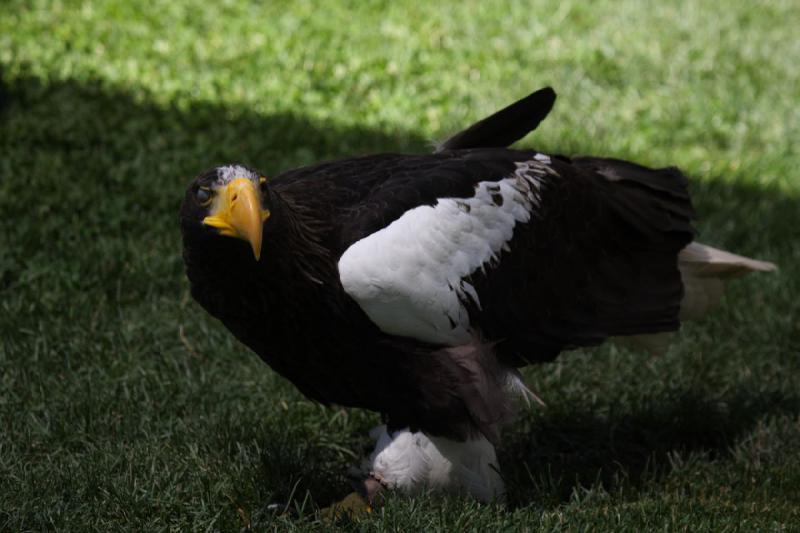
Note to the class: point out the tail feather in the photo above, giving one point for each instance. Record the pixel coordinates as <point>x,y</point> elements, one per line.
<point>704,271</point>
<point>707,261</point>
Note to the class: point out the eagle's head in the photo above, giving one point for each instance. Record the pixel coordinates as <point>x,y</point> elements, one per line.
<point>227,201</point>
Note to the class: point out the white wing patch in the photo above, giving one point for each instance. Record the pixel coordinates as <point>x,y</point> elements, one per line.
<point>409,276</point>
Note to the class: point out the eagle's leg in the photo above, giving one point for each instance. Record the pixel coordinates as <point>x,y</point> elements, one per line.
<point>412,461</point>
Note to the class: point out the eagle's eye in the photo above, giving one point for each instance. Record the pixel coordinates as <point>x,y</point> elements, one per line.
<point>203,196</point>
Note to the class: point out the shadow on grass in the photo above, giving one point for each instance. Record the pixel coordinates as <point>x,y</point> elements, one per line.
<point>568,451</point>
<point>104,166</point>
<point>117,143</point>
<point>92,115</point>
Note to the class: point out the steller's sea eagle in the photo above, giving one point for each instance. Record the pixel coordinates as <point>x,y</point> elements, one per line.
<point>417,285</point>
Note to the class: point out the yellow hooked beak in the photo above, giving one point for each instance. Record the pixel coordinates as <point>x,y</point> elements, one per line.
<point>236,212</point>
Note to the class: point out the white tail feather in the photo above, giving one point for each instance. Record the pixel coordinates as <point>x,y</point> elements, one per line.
<point>704,271</point>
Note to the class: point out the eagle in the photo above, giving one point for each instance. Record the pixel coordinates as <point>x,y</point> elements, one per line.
<point>418,285</point>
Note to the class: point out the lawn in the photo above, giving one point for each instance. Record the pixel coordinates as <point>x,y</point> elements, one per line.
<point>124,407</point>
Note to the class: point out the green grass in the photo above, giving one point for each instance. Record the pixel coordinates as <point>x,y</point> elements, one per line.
<point>122,406</point>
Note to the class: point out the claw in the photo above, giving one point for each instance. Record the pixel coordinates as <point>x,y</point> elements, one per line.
<point>353,506</point>
<point>357,504</point>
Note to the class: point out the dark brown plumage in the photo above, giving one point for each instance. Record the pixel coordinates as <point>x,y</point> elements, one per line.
<point>576,250</point>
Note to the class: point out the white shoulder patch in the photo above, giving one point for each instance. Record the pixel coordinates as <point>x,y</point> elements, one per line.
<point>409,276</point>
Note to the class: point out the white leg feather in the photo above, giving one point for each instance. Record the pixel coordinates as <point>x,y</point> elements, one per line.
<point>474,467</point>
<point>411,461</point>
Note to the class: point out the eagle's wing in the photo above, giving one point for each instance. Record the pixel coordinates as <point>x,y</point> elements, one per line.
<point>534,252</point>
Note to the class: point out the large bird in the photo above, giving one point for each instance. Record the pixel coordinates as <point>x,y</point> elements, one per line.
<point>417,285</point>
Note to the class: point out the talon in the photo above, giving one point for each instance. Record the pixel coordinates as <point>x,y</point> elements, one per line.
<point>352,506</point>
